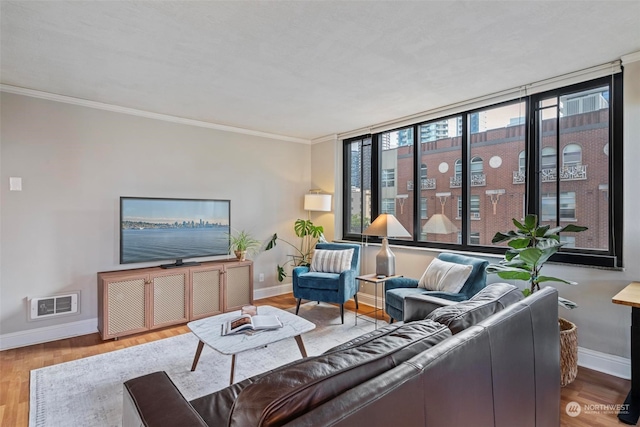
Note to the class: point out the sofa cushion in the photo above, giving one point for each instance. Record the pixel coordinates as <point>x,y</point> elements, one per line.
<point>287,393</point>
<point>488,301</point>
<point>330,261</point>
<point>319,280</point>
<point>445,276</point>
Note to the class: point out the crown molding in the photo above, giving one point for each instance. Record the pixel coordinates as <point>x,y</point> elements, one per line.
<point>147,114</point>
<point>332,137</point>
<point>631,57</point>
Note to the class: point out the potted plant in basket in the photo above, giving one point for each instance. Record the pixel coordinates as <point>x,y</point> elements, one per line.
<point>241,243</point>
<point>530,247</point>
<point>309,234</point>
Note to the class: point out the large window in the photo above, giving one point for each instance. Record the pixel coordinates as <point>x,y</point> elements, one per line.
<point>358,158</point>
<point>552,154</point>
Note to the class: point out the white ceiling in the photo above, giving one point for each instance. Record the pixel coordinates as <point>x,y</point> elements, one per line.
<point>303,69</point>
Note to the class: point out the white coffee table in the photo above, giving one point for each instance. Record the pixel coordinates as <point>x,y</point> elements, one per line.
<point>209,332</point>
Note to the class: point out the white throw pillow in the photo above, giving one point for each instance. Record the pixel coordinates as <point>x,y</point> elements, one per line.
<point>445,276</point>
<point>328,261</point>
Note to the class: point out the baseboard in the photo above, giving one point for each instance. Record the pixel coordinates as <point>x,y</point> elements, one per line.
<point>48,333</point>
<point>368,299</point>
<point>605,363</point>
<point>272,291</point>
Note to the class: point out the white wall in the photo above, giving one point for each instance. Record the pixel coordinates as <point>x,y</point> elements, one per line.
<point>602,326</point>
<point>75,163</point>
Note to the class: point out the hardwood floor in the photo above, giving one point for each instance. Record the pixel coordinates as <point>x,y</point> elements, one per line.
<point>590,388</point>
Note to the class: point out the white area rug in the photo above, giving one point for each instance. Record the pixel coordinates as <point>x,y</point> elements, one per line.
<point>88,392</point>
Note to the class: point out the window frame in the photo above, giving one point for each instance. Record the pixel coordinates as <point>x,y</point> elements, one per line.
<point>612,257</point>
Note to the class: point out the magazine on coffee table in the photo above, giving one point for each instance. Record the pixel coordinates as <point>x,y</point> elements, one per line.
<point>249,324</point>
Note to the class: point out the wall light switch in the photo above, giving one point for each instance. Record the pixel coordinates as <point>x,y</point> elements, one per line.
<point>15,183</point>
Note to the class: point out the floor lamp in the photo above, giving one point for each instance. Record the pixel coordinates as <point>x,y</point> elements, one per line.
<point>317,202</point>
<point>386,225</point>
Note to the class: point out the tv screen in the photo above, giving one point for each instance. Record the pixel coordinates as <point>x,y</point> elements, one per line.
<point>153,229</point>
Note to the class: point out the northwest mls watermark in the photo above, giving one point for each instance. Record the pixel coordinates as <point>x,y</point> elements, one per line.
<point>574,409</point>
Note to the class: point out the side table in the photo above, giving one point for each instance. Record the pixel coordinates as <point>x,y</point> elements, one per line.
<point>372,278</point>
<point>630,296</point>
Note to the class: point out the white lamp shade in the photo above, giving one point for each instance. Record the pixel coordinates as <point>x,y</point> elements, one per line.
<point>386,225</point>
<point>317,202</point>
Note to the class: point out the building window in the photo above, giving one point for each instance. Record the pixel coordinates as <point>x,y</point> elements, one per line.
<point>572,155</point>
<point>549,158</point>
<point>522,162</point>
<point>388,206</point>
<point>567,206</point>
<point>458,168</point>
<point>423,171</point>
<point>477,166</point>
<point>474,238</point>
<point>474,207</point>
<point>423,208</point>
<point>388,178</point>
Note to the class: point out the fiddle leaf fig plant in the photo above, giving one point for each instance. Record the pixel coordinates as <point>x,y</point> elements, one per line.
<point>309,235</point>
<point>530,247</point>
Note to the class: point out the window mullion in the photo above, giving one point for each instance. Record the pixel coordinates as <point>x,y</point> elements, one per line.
<point>466,181</point>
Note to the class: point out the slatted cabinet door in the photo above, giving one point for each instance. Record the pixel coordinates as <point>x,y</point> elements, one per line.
<point>123,306</point>
<point>206,291</point>
<point>238,290</point>
<point>169,297</point>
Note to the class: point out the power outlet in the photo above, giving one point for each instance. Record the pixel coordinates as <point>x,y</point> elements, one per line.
<point>261,277</point>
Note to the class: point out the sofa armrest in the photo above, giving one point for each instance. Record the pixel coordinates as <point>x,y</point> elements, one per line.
<point>418,307</point>
<point>400,282</point>
<point>153,400</point>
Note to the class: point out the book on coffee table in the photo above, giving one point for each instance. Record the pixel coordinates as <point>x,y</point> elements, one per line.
<point>248,323</point>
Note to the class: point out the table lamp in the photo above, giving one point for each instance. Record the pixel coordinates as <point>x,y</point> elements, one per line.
<point>386,225</point>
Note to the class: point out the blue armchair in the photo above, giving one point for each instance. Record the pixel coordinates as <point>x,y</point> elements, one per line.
<point>397,289</point>
<point>335,288</point>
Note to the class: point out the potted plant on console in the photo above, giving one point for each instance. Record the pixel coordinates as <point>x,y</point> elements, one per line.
<point>242,243</point>
<point>530,247</point>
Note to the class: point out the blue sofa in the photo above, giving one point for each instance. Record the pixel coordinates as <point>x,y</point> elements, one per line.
<point>397,289</point>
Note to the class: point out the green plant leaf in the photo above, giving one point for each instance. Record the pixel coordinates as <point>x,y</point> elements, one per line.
<point>281,273</point>
<point>519,243</point>
<point>551,231</point>
<point>301,227</point>
<point>526,292</point>
<point>272,243</point>
<point>531,256</point>
<point>518,224</point>
<point>515,275</point>
<point>549,243</point>
<point>574,228</point>
<point>555,279</point>
<point>531,222</point>
<point>501,237</point>
<point>563,302</point>
<point>508,272</point>
<point>541,231</point>
<point>517,263</point>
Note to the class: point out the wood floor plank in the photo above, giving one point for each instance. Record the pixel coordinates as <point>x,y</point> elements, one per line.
<point>589,388</point>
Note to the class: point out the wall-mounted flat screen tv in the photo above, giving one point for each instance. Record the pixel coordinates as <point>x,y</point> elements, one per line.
<point>153,229</point>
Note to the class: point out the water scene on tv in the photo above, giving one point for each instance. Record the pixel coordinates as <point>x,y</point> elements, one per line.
<point>158,229</point>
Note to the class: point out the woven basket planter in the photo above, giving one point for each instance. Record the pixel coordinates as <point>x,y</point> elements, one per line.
<point>568,352</point>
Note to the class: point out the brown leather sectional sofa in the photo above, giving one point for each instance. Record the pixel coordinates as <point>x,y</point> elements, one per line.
<point>503,371</point>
